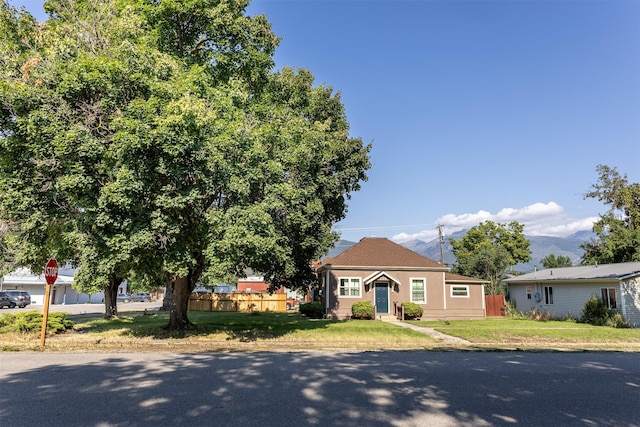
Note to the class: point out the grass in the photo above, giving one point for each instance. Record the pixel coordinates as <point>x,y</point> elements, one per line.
<point>224,331</point>
<point>503,331</point>
<point>136,331</point>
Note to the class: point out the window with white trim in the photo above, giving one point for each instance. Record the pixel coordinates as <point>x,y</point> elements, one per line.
<point>350,287</point>
<point>609,297</point>
<point>460,291</point>
<point>528,292</point>
<point>418,291</point>
<point>548,295</point>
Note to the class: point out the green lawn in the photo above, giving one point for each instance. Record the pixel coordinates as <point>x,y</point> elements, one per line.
<point>227,331</point>
<point>516,332</point>
<point>292,332</point>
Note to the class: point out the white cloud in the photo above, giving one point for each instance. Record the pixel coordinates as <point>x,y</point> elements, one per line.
<point>425,236</point>
<point>539,219</point>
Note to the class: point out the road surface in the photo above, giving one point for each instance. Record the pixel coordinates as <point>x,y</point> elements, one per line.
<point>320,389</point>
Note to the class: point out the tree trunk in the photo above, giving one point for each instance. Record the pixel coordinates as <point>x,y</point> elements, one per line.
<point>169,286</point>
<point>182,289</point>
<point>179,306</point>
<point>111,298</point>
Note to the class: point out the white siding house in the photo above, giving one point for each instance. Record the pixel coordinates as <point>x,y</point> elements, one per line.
<point>62,291</point>
<point>564,291</point>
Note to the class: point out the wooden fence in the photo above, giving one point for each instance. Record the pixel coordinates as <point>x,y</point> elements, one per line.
<point>494,305</point>
<point>237,301</point>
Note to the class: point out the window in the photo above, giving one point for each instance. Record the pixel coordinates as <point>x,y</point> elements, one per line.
<point>548,295</point>
<point>350,287</point>
<point>528,292</point>
<point>418,291</point>
<point>460,291</point>
<point>609,297</point>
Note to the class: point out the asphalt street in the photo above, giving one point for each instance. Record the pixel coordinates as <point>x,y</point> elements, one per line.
<point>320,389</point>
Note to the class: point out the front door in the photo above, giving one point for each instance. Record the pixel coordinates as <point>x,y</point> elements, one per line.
<point>382,298</point>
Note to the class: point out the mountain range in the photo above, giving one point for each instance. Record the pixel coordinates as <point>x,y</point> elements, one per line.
<point>540,246</point>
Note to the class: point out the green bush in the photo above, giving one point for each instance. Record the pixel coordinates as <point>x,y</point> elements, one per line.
<point>31,321</point>
<point>617,320</point>
<point>412,310</point>
<point>312,310</point>
<point>362,310</point>
<point>595,312</point>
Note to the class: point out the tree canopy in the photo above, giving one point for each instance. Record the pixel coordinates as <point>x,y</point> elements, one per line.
<point>618,230</point>
<point>152,141</point>
<point>488,250</point>
<point>553,261</point>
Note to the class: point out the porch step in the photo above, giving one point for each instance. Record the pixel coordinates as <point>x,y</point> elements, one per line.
<point>386,317</point>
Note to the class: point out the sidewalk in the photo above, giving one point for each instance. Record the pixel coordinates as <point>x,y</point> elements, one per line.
<point>444,338</point>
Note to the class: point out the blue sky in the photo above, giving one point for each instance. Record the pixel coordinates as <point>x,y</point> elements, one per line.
<point>476,110</point>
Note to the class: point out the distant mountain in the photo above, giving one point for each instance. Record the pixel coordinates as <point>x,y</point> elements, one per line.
<point>540,246</point>
<point>340,246</point>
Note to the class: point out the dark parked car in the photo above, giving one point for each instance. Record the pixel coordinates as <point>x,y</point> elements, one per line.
<point>19,298</point>
<point>124,297</point>
<point>141,297</point>
<point>5,301</point>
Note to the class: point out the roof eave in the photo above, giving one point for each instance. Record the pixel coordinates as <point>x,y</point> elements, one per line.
<point>383,267</point>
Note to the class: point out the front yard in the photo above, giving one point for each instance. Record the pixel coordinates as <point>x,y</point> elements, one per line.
<point>222,331</point>
<point>511,333</point>
<point>292,332</point>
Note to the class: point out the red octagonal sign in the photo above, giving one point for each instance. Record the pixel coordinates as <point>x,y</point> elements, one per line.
<point>51,271</point>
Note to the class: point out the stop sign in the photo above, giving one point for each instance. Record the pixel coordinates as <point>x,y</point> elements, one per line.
<point>51,271</point>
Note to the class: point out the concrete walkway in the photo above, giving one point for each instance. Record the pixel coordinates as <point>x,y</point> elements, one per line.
<point>444,338</point>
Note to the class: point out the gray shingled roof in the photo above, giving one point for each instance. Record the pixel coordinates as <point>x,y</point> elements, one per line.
<point>582,272</point>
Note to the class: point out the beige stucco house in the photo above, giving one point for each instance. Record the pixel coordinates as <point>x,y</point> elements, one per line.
<point>387,274</point>
<point>564,291</point>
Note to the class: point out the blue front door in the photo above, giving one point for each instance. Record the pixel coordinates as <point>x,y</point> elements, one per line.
<point>382,298</point>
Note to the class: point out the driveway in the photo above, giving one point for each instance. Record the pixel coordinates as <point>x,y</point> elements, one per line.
<point>87,308</point>
<point>320,389</point>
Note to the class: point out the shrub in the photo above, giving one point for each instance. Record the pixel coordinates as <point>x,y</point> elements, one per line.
<point>31,321</point>
<point>412,310</point>
<point>617,320</point>
<point>362,310</point>
<point>511,311</point>
<point>595,312</point>
<point>312,310</point>
<point>536,314</point>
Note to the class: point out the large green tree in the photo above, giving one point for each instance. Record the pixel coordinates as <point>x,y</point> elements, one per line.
<point>151,141</point>
<point>618,231</point>
<point>488,250</point>
<point>64,84</point>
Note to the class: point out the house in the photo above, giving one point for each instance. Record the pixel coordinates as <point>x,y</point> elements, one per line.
<point>388,274</point>
<point>564,291</point>
<point>62,291</point>
<point>253,284</point>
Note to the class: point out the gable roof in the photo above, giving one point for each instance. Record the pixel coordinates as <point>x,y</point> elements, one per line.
<point>617,271</point>
<point>24,276</point>
<point>378,275</point>
<point>380,252</point>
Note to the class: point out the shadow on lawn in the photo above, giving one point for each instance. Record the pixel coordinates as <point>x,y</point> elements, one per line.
<point>243,327</point>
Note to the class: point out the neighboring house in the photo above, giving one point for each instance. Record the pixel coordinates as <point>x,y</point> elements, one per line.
<point>387,274</point>
<point>252,284</point>
<point>564,291</point>
<point>61,292</point>
<point>256,284</point>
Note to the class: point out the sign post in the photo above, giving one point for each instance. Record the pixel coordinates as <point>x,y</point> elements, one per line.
<point>50,275</point>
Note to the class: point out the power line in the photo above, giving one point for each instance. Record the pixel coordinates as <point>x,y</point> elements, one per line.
<point>388,227</point>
